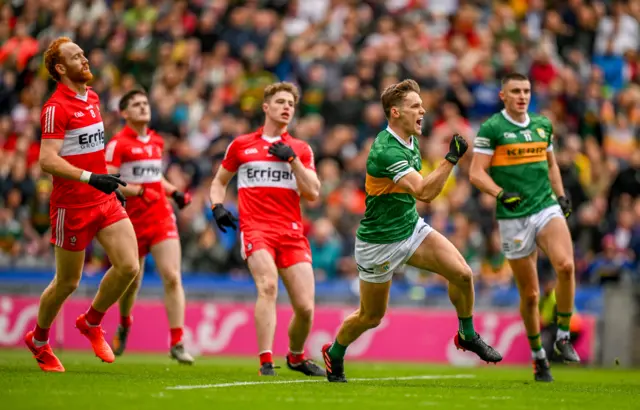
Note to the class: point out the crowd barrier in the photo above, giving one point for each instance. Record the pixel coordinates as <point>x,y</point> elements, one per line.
<point>405,334</point>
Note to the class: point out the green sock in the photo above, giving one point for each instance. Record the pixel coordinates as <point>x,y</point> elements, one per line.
<point>465,328</point>
<point>337,351</point>
<point>564,321</point>
<point>535,342</point>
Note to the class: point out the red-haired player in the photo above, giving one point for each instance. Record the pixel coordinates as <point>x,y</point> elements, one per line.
<point>83,204</point>
<point>136,153</point>
<point>274,170</point>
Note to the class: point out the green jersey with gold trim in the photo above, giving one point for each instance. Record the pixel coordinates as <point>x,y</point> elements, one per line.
<point>390,214</point>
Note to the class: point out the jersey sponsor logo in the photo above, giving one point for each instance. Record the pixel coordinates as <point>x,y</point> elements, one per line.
<point>266,174</point>
<point>520,153</point>
<point>142,172</point>
<point>83,140</point>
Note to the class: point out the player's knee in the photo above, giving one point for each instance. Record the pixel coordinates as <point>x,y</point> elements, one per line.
<point>304,312</point>
<point>129,270</point>
<point>565,268</point>
<point>172,281</point>
<point>67,286</point>
<point>268,289</point>
<point>530,299</point>
<point>464,276</point>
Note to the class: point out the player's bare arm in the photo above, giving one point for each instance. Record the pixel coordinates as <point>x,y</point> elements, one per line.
<point>169,188</point>
<point>217,194</point>
<point>306,179</point>
<point>556,184</point>
<point>221,180</point>
<point>479,176</point>
<point>481,179</point>
<point>52,163</point>
<point>428,188</point>
<point>130,189</point>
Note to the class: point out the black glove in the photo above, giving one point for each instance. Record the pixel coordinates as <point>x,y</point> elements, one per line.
<point>282,151</point>
<point>182,199</point>
<point>224,218</point>
<point>121,197</point>
<point>106,183</point>
<point>565,204</point>
<point>457,147</point>
<point>510,200</point>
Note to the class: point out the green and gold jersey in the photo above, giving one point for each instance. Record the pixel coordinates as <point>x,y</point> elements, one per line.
<point>391,214</point>
<point>519,160</point>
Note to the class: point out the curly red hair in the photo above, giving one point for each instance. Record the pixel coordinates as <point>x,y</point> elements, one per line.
<point>52,56</point>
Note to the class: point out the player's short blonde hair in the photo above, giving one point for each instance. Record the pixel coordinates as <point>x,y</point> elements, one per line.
<point>394,94</point>
<point>275,88</point>
<point>52,56</point>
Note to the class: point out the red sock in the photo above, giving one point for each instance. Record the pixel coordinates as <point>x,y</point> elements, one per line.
<point>93,317</point>
<point>176,335</point>
<point>266,357</point>
<point>40,334</point>
<point>126,321</point>
<point>295,358</point>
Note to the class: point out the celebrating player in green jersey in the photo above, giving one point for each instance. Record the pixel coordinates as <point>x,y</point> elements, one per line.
<point>514,162</point>
<point>392,234</point>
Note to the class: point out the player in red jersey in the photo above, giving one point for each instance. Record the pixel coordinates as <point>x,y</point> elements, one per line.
<point>274,170</point>
<point>136,153</point>
<point>83,204</point>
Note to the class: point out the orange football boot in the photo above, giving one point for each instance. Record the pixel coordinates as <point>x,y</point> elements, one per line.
<point>47,361</point>
<point>95,334</point>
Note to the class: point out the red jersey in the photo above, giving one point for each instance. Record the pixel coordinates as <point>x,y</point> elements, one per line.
<point>75,119</point>
<point>268,196</point>
<point>140,161</point>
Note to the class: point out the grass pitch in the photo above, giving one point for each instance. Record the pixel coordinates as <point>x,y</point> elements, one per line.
<point>137,381</point>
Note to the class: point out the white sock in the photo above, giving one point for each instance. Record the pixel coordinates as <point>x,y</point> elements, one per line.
<point>562,334</point>
<point>540,354</point>
<point>39,343</point>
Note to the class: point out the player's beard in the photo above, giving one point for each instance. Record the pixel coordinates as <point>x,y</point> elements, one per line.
<point>80,76</point>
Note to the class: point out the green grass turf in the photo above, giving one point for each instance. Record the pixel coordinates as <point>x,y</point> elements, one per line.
<point>141,382</point>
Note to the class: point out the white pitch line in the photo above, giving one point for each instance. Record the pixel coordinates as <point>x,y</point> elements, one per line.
<point>234,384</point>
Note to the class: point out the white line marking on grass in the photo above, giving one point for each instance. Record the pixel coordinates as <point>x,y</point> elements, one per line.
<point>235,384</point>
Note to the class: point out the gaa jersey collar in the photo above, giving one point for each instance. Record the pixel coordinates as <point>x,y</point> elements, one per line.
<point>130,133</point>
<point>271,139</point>
<point>524,124</point>
<point>400,140</point>
<point>70,93</point>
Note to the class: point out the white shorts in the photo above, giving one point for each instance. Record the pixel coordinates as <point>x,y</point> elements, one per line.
<point>519,235</point>
<point>377,261</point>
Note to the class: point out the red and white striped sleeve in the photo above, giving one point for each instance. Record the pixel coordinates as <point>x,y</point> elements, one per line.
<point>53,121</point>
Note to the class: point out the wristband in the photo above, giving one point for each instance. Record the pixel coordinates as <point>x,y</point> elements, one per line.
<point>85,176</point>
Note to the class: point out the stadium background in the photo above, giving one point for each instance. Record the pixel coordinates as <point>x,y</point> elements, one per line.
<point>205,64</point>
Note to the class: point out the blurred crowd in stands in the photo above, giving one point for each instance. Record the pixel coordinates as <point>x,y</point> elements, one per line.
<point>205,63</point>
